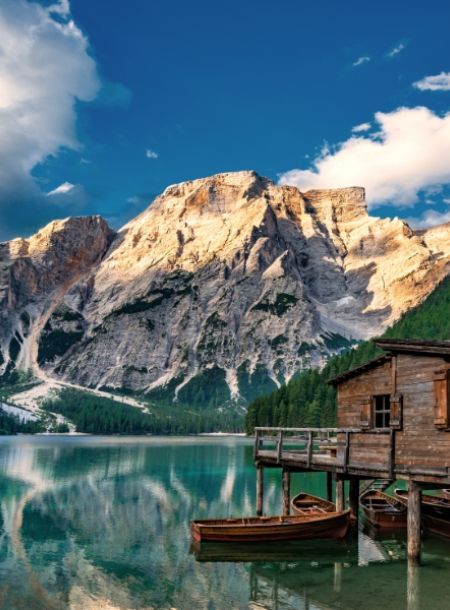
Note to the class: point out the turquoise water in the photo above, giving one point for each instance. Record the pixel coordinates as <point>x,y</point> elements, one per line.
<point>103,523</point>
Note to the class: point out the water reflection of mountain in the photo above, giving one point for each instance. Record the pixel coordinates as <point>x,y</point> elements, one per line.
<point>90,524</point>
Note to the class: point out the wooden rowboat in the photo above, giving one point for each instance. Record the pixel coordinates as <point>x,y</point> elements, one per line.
<point>436,525</point>
<point>382,510</point>
<point>272,529</point>
<point>306,504</point>
<point>436,506</point>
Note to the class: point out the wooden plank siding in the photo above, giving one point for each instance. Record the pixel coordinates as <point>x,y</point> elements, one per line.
<point>415,445</point>
<point>419,442</point>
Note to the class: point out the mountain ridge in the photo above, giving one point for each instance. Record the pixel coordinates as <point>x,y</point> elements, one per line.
<point>223,287</point>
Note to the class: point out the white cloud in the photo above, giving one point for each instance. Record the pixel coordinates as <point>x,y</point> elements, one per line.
<point>361,60</point>
<point>396,50</point>
<point>430,218</point>
<point>409,153</point>
<point>67,196</point>
<point>60,8</point>
<point>62,189</point>
<point>45,67</point>
<point>438,82</point>
<point>151,154</point>
<point>361,127</point>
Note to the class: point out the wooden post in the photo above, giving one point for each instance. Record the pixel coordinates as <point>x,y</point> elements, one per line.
<point>353,498</point>
<point>309,449</point>
<point>256,446</point>
<point>259,489</point>
<point>337,585</point>
<point>414,514</point>
<point>330,486</point>
<point>286,492</point>
<point>412,587</point>
<point>340,500</point>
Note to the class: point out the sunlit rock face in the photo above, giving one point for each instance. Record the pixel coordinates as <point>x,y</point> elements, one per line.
<point>36,274</point>
<point>232,283</point>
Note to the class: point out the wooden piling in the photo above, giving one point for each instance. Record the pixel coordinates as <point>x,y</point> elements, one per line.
<point>353,498</point>
<point>340,500</point>
<point>330,486</point>
<point>412,587</point>
<point>286,492</point>
<point>259,489</point>
<point>414,514</point>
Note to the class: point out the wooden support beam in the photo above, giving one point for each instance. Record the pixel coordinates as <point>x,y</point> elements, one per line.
<point>340,500</point>
<point>309,450</point>
<point>412,587</point>
<point>353,498</point>
<point>259,489</point>
<point>414,514</point>
<point>392,454</point>
<point>330,486</point>
<point>256,446</point>
<point>286,493</point>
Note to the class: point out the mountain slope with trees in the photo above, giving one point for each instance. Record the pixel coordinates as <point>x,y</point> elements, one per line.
<point>307,400</point>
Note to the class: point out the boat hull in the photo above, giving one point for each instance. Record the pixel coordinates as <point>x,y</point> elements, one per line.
<point>383,511</point>
<point>435,506</point>
<point>272,529</point>
<point>436,525</point>
<point>304,503</point>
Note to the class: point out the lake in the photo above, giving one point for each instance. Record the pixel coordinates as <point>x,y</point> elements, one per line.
<point>103,523</point>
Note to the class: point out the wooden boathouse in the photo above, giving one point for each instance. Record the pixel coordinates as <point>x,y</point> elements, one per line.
<point>393,416</point>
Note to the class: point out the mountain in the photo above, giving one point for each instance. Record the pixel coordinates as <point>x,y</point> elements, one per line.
<point>307,400</point>
<point>223,288</point>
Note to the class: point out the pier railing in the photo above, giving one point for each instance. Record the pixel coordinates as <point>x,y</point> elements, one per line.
<point>316,448</point>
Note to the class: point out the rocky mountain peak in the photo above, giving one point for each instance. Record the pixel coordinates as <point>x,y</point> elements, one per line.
<point>341,206</point>
<point>222,288</point>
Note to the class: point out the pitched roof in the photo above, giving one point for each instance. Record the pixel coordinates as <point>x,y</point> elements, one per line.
<point>394,346</point>
<point>415,346</point>
<point>362,368</point>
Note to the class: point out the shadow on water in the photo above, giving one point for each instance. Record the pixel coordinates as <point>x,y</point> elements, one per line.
<point>94,523</point>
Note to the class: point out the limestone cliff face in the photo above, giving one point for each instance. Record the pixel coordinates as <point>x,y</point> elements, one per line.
<point>224,286</point>
<point>35,275</point>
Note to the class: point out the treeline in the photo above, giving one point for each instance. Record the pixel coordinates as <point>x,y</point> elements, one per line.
<point>13,424</point>
<point>98,415</point>
<point>307,400</point>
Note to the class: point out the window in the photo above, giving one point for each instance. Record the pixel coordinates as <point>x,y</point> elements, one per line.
<point>381,411</point>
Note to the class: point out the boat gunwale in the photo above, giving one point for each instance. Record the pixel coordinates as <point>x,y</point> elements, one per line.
<point>273,520</point>
<point>323,505</point>
<point>394,504</point>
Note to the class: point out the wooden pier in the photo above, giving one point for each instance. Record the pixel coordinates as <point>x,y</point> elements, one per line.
<point>394,418</point>
<point>329,450</point>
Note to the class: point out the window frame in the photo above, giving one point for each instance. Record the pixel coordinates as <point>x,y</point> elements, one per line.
<point>384,412</point>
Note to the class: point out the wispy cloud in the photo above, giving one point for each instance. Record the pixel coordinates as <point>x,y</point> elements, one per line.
<point>68,196</point>
<point>151,154</point>
<point>438,82</point>
<point>361,60</point>
<point>409,153</point>
<point>361,127</point>
<point>60,8</point>
<point>430,218</point>
<point>62,189</point>
<point>396,50</point>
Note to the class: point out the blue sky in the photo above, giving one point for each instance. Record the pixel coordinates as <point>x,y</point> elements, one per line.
<point>159,92</point>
